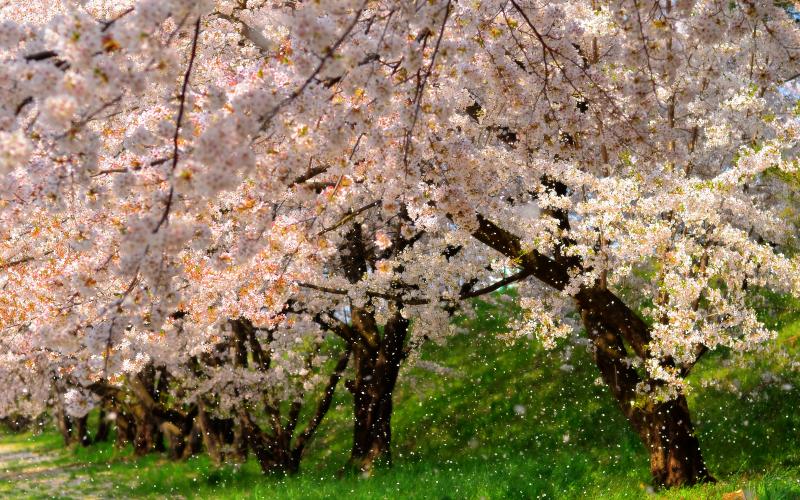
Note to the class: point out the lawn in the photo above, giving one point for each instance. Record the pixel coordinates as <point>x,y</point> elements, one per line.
<point>490,420</point>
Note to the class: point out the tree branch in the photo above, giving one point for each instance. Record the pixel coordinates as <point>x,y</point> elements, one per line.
<point>324,404</point>
<point>519,276</point>
<point>179,121</point>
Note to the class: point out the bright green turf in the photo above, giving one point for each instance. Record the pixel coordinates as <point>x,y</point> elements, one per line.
<point>459,435</point>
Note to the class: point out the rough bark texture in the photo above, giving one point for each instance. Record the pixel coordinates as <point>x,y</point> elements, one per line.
<point>376,370</point>
<point>665,428</point>
<point>675,457</point>
<point>376,359</point>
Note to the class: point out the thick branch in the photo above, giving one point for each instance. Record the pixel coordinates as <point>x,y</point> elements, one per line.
<point>617,316</point>
<point>254,35</point>
<point>542,267</point>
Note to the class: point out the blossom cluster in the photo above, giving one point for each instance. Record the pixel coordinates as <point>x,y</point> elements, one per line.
<point>170,166</point>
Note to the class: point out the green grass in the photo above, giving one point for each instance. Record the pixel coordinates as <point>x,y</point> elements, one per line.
<point>504,421</point>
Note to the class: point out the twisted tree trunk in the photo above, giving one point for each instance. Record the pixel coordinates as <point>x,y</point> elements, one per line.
<point>665,428</point>
<point>376,357</point>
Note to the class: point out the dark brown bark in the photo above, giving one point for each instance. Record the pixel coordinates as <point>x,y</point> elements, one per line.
<point>675,457</point>
<point>194,442</point>
<point>80,428</point>
<point>103,429</point>
<point>183,439</point>
<point>145,386</point>
<point>237,443</point>
<point>148,437</point>
<point>376,371</point>
<point>72,429</point>
<point>62,423</point>
<point>16,423</point>
<point>376,358</point>
<point>114,412</point>
<point>176,440</point>
<point>157,422</point>
<point>665,428</point>
<point>222,438</point>
<point>211,440</point>
<point>274,448</point>
<point>126,428</point>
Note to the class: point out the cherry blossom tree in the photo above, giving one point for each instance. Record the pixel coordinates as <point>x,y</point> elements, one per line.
<point>372,163</point>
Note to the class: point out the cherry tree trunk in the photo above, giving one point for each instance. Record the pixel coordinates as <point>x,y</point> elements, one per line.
<point>194,442</point>
<point>376,373</point>
<point>665,428</point>
<point>179,430</point>
<point>62,424</point>
<point>126,429</point>
<point>176,441</point>
<point>16,423</point>
<point>237,441</point>
<point>272,450</point>
<point>675,457</point>
<point>148,437</point>
<point>276,458</point>
<point>72,429</point>
<point>285,465</point>
<point>372,429</point>
<point>103,429</point>
<point>223,439</point>
<point>80,429</point>
<point>211,439</point>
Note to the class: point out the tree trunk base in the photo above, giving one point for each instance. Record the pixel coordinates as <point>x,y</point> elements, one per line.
<point>675,456</point>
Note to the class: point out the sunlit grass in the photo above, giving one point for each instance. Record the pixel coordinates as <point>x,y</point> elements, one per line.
<point>502,421</point>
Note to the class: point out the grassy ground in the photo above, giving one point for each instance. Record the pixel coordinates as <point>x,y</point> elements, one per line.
<point>501,422</point>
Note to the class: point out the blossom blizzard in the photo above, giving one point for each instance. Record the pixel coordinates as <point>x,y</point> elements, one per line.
<point>317,169</point>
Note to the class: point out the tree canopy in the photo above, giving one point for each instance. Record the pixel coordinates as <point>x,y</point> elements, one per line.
<point>233,198</point>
